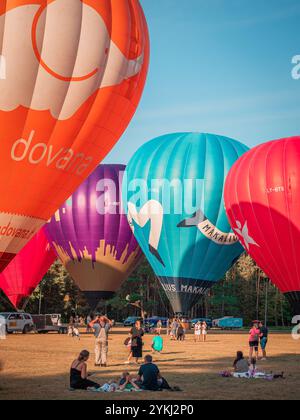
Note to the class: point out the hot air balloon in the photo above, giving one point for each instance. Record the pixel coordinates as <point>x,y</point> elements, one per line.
<point>71,76</point>
<point>21,277</point>
<point>262,199</point>
<point>174,192</point>
<point>91,235</point>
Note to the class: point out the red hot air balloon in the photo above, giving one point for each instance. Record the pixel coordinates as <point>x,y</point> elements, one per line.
<point>262,198</point>
<point>71,76</point>
<point>21,277</point>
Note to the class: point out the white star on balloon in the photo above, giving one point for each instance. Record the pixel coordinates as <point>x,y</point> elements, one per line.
<point>243,232</point>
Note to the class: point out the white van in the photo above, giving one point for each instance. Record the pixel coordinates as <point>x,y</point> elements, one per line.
<point>17,322</point>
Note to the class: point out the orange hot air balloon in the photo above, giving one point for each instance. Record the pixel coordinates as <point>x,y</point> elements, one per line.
<point>71,76</point>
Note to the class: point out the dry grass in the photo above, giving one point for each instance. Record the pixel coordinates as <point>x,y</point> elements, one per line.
<point>37,367</point>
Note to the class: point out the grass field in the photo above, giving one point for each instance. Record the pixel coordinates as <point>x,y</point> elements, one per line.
<point>37,367</point>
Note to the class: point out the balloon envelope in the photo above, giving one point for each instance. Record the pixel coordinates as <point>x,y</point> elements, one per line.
<point>175,205</point>
<point>262,199</point>
<point>71,76</point>
<point>21,277</point>
<point>91,235</point>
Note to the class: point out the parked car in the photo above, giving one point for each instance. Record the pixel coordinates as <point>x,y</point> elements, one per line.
<point>208,321</point>
<point>229,323</point>
<point>131,320</point>
<point>18,322</point>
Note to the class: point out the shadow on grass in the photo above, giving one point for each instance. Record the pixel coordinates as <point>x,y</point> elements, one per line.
<point>199,379</point>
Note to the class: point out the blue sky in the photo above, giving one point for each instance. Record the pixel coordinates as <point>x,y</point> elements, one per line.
<point>218,66</point>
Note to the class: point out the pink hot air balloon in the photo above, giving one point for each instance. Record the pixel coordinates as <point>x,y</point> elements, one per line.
<point>21,277</point>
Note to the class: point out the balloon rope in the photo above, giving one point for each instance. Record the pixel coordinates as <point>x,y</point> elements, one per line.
<point>159,294</point>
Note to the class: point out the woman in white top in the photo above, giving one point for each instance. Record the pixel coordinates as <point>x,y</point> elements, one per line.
<point>198,331</point>
<point>204,331</point>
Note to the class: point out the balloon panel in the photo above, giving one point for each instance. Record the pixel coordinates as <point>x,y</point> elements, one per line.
<point>180,222</point>
<point>84,66</point>
<point>21,277</point>
<point>91,235</point>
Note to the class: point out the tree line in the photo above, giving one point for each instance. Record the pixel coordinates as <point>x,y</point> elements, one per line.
<point>244,292</point>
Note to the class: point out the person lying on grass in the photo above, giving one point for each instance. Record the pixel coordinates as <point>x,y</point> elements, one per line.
<point>79,374</point>
<point>128,383</point>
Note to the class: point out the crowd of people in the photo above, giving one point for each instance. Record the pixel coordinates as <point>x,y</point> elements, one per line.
<point>247,368</point>
<point>149,377</point>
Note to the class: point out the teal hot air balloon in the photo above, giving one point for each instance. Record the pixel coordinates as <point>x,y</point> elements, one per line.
<point>173,190</point>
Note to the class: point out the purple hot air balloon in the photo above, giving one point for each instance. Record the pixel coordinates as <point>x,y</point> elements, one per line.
<point>91,235</point>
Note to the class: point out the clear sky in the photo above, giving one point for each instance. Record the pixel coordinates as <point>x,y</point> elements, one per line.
<point>218,66</point>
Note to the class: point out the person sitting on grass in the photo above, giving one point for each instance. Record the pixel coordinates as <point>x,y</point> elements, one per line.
<point>240,364</point>
<point>150,379</point>
<point>253,367</point>
<point>128,383</point>
<point>157,343</point>
<point>79,375</point>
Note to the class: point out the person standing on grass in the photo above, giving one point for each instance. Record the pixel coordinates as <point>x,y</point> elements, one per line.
<point>264,335</point>
<point>88,321</point>
<point>127,344</point>
<point>159,327</point>
<point>101,326</point>
<point>169,322</point>
<point>137,334</point>
<point>254,341</point>
<point>198,328</point>
<point>204,331</point>
<point>71,321</point>
<point>174,327</point>
<point>180,332</point>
